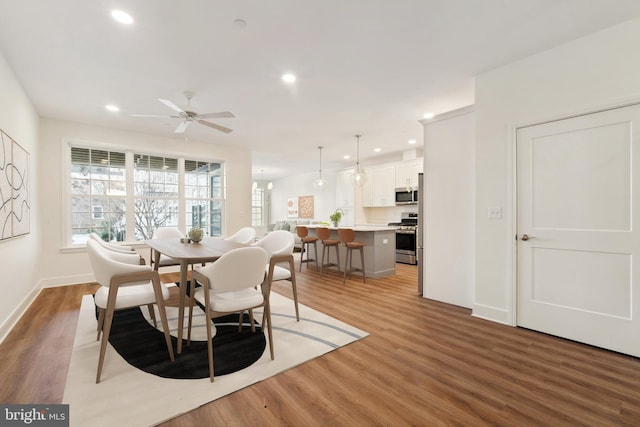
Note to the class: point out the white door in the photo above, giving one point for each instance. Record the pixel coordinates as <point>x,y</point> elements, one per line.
<point>577,273</point>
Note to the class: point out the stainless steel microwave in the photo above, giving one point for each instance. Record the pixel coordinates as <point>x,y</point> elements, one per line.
<point>406,196</point>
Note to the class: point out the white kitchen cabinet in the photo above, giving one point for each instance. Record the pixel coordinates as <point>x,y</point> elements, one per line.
<point>345,192</point>
<point>407,173</point>
<point>379,189</point>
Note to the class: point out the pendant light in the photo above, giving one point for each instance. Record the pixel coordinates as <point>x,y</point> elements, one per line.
<point>359,177</point>
<point>319,183</point>
<point>269,185</point>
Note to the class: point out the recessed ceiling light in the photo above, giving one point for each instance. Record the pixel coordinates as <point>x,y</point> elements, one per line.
<point>112,108</point>
<point>122,17</point>
<point>347,157</point>
<point>377,150</point>
<point>289,78</point>
<point>428,115</point>
<point>412,141</point>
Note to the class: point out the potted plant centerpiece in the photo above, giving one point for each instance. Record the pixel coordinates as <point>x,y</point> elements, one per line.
<point>336,217</point>
<point>195,234</point>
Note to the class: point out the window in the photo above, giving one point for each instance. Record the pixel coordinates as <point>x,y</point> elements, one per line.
<point>257,207</point>
<point>126,196</point>
<point>155,190</point>
<point>203,195</point>
<point>98,194</point>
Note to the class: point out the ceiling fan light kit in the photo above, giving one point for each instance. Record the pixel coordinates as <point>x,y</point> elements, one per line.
<point>188,117</point>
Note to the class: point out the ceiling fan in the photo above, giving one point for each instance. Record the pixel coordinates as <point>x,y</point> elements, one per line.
<point>189,116</point>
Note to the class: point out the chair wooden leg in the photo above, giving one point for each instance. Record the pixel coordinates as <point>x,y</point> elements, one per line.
<point>108,320</point>
<point>253,325</point>
<point>338,256</point>
<point>324,249</point>
<point>209,345</point>
<point>163,315</point>
<point>240,321</point>
<point>101,312</point>
<point>347,267</point>
<point>315,254</point>
<point>294,287</point>
<point>302,255</point>
<point>362,260</point>
<point>152,313</point>
<point>267,319</point>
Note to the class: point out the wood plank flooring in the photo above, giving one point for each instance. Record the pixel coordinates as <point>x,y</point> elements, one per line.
<point>425,363</point>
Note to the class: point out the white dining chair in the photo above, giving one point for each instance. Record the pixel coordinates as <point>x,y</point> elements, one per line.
<point>245,235</point>
<point>124,283</point>
<point>165,233</point>
<point>230,285</point>
<point>279,245</point>
<point>111,246</point>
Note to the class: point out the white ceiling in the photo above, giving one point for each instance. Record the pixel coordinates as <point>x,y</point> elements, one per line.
<point>369,67</point>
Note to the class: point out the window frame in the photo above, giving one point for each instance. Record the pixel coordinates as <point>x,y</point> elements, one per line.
<point>67,144</point>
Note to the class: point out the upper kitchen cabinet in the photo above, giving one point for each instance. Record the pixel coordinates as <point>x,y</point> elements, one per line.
<point>407,173</point>
<point>345,192</point>
<point>379,189</point>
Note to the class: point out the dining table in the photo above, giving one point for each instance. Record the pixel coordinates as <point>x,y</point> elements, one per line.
<point>208,249</point>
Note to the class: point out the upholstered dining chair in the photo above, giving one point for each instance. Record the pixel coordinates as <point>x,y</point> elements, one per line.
<point>244,235</point>
<point>111,246</point>
<point>165,233</point>
<point>124,283</point>
<point>279,245</point>
<point>230,285</point>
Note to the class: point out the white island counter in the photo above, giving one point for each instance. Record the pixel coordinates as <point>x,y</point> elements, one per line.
<point>379,254</point>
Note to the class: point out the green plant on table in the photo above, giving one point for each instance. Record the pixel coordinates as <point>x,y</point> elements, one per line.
<point>195,234</point>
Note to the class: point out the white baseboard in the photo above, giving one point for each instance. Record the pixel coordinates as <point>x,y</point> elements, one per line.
<point>493,314</point>
<point>67,280</point>
<point>17,313</point>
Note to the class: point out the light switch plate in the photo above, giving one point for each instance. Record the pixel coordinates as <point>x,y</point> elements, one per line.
<point>494,213</point>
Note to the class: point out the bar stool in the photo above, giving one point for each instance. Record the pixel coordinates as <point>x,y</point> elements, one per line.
<point>303,234</point>
<point>323,234</point>
<point>347,236</point>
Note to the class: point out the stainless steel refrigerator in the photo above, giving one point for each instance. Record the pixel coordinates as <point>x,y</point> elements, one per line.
<point>420,232</point>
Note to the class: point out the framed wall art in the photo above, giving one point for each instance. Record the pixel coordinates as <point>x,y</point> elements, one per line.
<point>305,204</point>
<point>15,203</point>
<point>292,207</point>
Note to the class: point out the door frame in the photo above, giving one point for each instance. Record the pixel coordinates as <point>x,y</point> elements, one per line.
<point>511,202</point>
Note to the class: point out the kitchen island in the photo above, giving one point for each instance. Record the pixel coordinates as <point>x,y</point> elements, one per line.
<point>379,252</point>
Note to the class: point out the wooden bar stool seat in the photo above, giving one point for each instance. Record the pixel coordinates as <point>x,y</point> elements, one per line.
<point>324,235</point>
<point>347,236</point>
<point>303,234</point>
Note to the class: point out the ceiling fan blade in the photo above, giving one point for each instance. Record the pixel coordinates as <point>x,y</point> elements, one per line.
<point>155,115</point>
<point>173,106</point>
<point>215,126</point>
<point>181,127</point>
<point>220,115</point>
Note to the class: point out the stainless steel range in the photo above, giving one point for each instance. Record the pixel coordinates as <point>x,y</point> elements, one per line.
<point>406,242</point>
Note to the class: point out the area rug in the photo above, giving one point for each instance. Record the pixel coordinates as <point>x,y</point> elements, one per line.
<point>129,396</point>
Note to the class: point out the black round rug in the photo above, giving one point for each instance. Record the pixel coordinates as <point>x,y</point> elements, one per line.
<point>143,346</point>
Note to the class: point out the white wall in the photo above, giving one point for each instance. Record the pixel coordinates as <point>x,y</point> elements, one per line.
<point>449,141</point>
<point>20,258</point>
<point>324,203</point>
<point>594,72</point>
<point>63,266</point>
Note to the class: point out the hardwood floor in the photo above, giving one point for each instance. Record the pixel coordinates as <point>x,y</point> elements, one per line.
<point>424,363</point>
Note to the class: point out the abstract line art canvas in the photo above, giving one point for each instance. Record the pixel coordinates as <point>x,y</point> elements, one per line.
<point>15,205</point>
